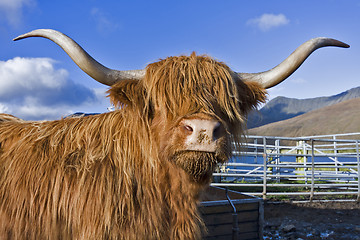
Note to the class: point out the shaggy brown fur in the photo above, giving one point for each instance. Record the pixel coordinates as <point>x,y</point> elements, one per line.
<point>123,174</point>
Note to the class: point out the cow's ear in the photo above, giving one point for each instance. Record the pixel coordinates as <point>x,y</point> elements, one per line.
<point>126,93</point>
<point>251,94</point>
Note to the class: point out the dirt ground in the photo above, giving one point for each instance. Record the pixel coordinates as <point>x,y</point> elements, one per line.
<point>317,220</point>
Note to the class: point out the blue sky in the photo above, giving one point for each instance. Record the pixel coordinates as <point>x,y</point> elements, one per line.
<point>39,81</point>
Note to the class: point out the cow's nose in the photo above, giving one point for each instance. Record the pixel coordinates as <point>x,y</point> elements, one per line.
<point>202,134</point>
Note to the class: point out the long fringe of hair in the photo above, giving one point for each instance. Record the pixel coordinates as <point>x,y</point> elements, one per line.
<point>179,86</point>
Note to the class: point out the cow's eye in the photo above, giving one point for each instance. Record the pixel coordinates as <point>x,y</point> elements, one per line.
<point>188,128</point>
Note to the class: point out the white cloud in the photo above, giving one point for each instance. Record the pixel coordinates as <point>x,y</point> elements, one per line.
<point>39,112</point>
<point>298,80</point>
<point>103,22</point>
<point>29,74</point>
<point>33,88</point>
<point>11,10</point>
<point>3,108</point>
<point>269,21</point>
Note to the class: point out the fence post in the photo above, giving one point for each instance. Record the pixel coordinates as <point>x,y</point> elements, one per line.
<point>277,161</point>
<point>312,170</point>
<point>265,168</point>
<point>305,163</point>
<point>300,158</point>
<point>336,158</point>
<point>256,150</point>
<point>358,169</point>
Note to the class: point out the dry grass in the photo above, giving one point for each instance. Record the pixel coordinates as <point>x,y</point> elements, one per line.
<point>343,117</point>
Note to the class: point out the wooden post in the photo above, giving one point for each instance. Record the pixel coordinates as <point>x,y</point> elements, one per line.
<point>261,220</point>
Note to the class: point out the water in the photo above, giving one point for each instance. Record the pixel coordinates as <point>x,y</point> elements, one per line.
<point>321,172</point>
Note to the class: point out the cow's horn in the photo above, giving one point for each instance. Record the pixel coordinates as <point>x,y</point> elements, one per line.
<point>89,65</point>
<point>279,73</point>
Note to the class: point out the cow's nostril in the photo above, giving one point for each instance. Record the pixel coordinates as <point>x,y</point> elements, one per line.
<point>218,131</point>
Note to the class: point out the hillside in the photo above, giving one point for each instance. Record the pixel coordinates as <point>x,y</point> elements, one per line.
<point>342,117</point>
<point>282,108</point>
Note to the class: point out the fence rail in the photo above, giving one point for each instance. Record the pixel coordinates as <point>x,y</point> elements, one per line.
<point>309,166</point>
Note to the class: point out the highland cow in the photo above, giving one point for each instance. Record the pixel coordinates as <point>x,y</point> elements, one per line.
<point>137,172</point>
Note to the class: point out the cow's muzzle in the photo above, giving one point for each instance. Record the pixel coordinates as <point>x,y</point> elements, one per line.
<point>202,134</point>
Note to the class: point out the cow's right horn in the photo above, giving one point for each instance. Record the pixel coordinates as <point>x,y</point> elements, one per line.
<point>88,64</point>
<point>279,73</point>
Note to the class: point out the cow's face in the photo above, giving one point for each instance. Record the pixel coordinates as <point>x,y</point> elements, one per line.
<point>194,107</point>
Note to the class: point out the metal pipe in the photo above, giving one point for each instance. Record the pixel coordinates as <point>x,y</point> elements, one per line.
<point>312,170</point>
<point>335,185</point>
<point>265,168</point>
<point>235,228</point>
<point>301,193</point>
<point>358,165</point>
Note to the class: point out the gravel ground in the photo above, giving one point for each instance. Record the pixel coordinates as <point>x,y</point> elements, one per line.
<point>316,220</point>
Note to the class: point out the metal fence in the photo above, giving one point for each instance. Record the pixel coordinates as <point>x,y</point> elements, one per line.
<point>307,166</point>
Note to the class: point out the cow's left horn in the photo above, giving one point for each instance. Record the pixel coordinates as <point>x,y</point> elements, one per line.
<point>88,64</point>
<point>279,73</point>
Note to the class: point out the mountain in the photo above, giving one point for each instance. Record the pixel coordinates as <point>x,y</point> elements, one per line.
<point>281,108</point>
<point>342,117</point>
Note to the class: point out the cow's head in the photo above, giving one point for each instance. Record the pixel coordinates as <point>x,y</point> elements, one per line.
<point>195,105</point>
